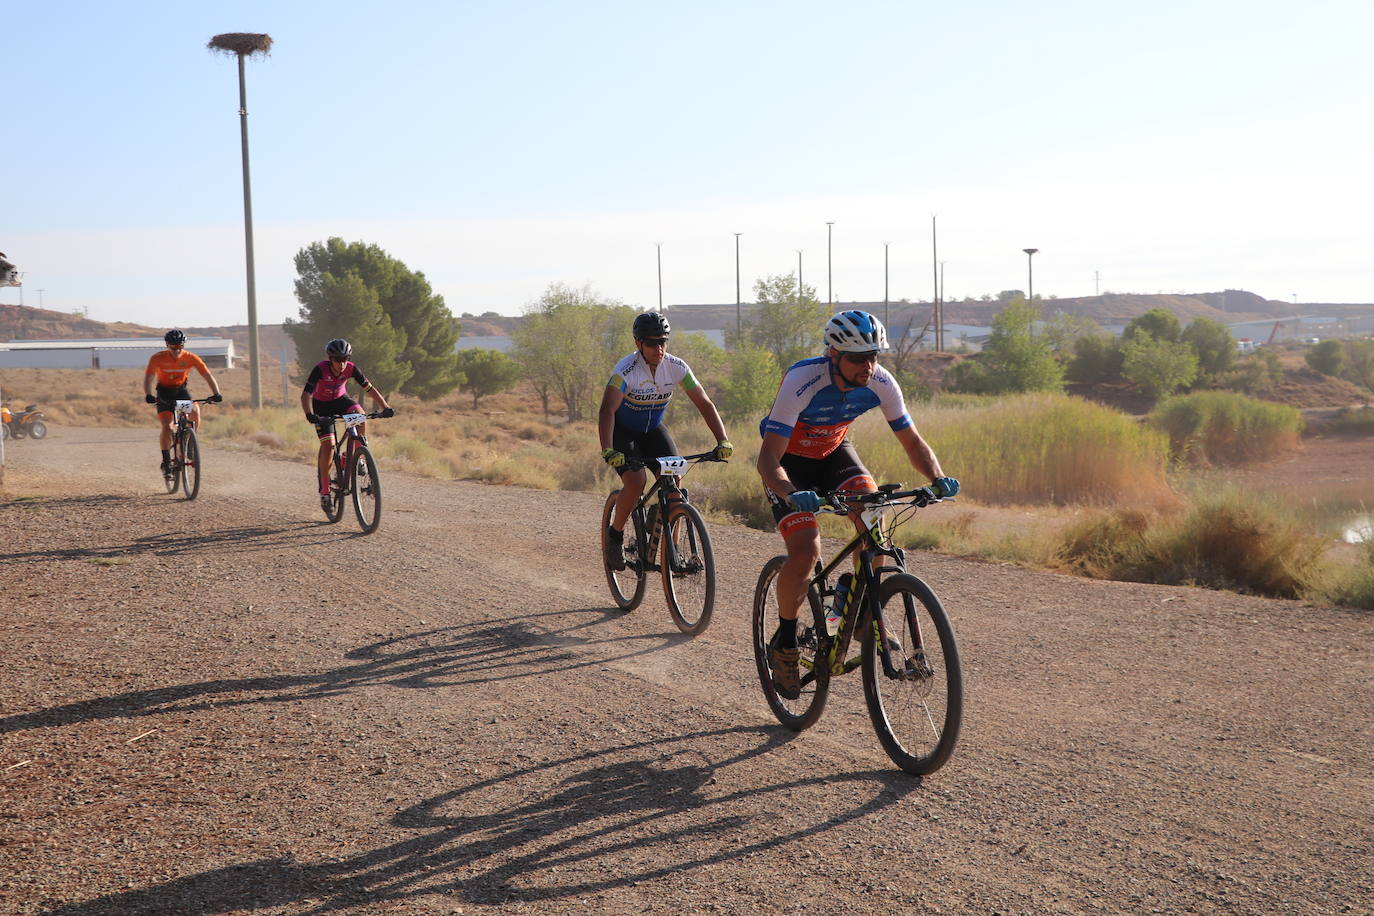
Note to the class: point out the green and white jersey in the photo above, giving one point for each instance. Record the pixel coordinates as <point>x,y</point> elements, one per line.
<point>648,391</point>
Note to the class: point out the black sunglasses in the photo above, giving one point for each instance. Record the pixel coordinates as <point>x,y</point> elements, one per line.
<point>654,341</point>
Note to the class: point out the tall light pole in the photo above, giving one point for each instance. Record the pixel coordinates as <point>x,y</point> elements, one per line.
<point>241,45</point>
<point>887,319</point>
<point>829,268</point>
<point>1030,274</point>
<point>936,317</point>
<point>799,276</point>
<point>739,324</point>
<point>659,246</point>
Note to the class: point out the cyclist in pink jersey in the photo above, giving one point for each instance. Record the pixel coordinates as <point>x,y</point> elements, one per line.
<point>326,395</point>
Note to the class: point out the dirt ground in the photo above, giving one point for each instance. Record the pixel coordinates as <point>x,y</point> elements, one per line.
<point>227,706</point>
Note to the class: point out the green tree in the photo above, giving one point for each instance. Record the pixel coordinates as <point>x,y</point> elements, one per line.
<point>1013,358</point>
<point>1161,324</point>
<point>568,344</point>
<point>1092,360</point>
<point>750,383</point>
<point>347,307</point>
<point>789,325</point>
<point>1159,367</point>
<point>700,353</point>
<point>486,372</point>
<point>429,330</point>
<point>1254,374</point>
<point>1327,357</point>
<point>1214,345</point>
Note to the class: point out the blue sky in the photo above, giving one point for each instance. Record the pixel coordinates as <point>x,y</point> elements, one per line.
<point>500,147</point>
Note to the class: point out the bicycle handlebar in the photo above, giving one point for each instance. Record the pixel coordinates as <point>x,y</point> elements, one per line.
<point>639,464</point>
<point>840,502</point>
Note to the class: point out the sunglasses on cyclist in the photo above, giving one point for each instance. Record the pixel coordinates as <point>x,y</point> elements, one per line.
<point>870,357</point>
<point>654,341</point>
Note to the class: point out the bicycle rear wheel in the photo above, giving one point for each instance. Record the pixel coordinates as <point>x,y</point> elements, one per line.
<point>627,583</point>
<point>190,463</point>
<point>917,708</point>
<point>367,489</point>
<point>689,569</point>
<point>815,674</point>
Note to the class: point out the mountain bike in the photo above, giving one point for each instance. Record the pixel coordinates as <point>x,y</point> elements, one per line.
<point>664,525</point>
<point>183,468</point>
<point>913,683</point>
<point>354,473</point>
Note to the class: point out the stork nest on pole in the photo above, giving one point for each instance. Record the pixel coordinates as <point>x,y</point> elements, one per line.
<point>244,43</point>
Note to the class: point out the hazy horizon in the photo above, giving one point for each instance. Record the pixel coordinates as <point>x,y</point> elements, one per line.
<point>1182,148</point>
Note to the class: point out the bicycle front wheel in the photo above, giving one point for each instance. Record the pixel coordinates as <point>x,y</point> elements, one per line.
<point>367,489</point>
<point>916,698</point>
<point>689,569</point>
<point>624,571</point>
<point>190,463</point>
<point>815,673</point>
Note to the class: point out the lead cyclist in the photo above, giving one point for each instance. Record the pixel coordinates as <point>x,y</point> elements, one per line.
<point>806,451</point>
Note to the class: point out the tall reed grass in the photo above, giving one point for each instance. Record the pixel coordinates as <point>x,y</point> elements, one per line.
<point>1223,427</point>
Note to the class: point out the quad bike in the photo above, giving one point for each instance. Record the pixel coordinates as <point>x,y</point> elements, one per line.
<point>27,422</point>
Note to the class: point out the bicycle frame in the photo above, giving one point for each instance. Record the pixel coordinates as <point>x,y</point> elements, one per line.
<point>870,543</point>
<point>672,469</point>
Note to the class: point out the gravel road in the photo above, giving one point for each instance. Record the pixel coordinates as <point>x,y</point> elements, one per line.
<point>227,706</point>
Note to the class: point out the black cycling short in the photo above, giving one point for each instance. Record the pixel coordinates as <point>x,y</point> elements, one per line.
<point>644,446</point>
<point>335,408</point>
<point>167,397</point>
<point>822,475</point>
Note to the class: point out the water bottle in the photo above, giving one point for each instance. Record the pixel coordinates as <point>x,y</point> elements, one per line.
<point>836,612</point>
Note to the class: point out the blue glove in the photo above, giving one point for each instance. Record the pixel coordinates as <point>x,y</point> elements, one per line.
<point>945,486</point>
<point>805,501</point>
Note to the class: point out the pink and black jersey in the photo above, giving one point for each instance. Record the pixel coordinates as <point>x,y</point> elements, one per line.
<point>324,385</point>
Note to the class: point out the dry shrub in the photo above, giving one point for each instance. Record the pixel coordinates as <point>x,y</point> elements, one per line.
<point>269,440</point>
<point>1103,544</point>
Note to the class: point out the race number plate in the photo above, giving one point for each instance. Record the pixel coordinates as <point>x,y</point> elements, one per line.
<point>354,419</point>
<point>672,465</point>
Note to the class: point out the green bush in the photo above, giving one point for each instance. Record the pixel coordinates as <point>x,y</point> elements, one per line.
<point>1221,427</point>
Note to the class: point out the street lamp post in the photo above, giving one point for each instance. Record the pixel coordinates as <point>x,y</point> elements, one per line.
<point>659,247</point>
<point>799,277</point>
<point>739,324</point>
<point>887,319</point>
<point>829,268</point>
<point>242,45</point>
<point>1030,274</point>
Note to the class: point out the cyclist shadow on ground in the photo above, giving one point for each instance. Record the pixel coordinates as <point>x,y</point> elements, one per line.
<point>450,657</point>
<point>552,831</point>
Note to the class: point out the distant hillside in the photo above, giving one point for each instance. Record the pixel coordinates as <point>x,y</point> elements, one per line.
<point>19,322</point>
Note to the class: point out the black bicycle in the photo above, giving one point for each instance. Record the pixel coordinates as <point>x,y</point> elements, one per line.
<point>354,473</point>
<point>183,468</point>
<point>913,682</point>
<point>682,546</point>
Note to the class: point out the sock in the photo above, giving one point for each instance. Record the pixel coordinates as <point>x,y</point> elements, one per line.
<point>786,635</point>
<point>166,455</point>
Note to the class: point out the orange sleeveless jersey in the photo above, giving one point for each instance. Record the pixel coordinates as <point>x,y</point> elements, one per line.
<point>172,371</point>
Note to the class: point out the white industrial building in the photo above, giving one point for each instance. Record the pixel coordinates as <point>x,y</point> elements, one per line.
<point>107,353</point>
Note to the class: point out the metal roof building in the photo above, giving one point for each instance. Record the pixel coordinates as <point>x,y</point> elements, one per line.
<point>107,353</point>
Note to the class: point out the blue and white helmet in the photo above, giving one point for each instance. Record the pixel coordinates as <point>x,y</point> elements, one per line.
<point>855,332</point>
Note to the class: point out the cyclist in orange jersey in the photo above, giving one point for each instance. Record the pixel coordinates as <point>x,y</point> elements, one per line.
<point>169,370</point>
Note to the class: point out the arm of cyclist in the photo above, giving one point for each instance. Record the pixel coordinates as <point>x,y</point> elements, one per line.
<point>708,412</point>
<point>605,425</point>
<point>307,407</point>
<point>922,458</point>
<point>209,377</point>
<point>769,466</point>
